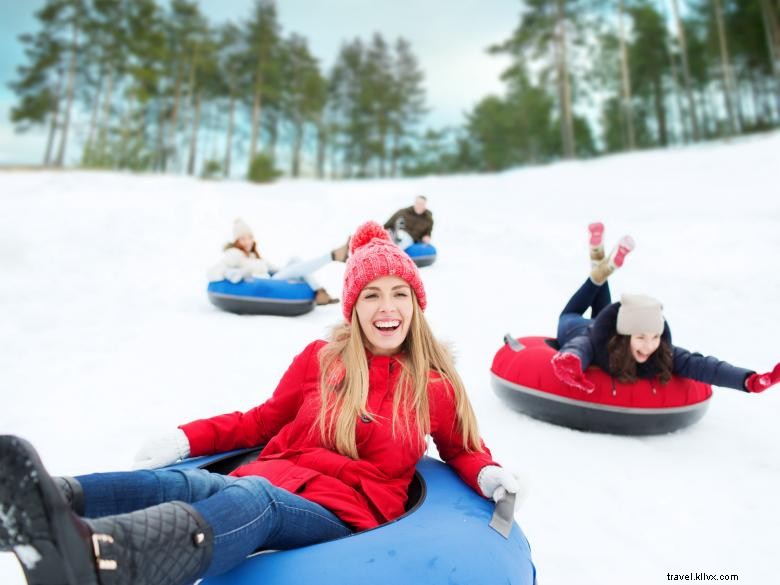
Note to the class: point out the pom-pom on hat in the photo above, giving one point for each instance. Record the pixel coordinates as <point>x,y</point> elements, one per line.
<point>639,314</point>
<point>240,228</point>
<point>372,255</point>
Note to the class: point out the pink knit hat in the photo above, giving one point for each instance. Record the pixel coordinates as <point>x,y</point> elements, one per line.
<point>372,255</point>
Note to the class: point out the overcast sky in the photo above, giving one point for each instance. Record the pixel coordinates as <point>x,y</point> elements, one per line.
<point>449,37</point>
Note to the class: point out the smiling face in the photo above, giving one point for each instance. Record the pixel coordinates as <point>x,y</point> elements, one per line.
<point>643,345</point>
<point>384,310</point>
<point>246,242</point>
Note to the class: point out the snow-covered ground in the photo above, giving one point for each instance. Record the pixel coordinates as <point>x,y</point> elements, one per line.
<point>106,334</point>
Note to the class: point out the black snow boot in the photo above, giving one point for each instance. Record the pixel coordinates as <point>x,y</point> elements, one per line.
<point>167,544</point>
<point>52,544</point>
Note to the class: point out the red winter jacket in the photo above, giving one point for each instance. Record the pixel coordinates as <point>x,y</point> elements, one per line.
<point>363,493</point>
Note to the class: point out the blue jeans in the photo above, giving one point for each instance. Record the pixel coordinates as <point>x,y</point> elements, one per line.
<point>572,322</point>
<point>245,514</point>
<point>297,269</point>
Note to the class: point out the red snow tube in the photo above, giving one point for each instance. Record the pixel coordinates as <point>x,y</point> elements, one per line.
<point>523,377</point>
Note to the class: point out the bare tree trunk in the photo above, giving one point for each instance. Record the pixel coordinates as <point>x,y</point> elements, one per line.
<point>394,154</point>
<point>159,162</point>
<point>564,89</point>
<point>104,116</point>
<point>334,161</point>
<point>660,110</point>
<point>761,116</point>
<point>678,100</point>
<point>124,125</point>
<point>229,142</point>
<point>68,98</point>
<point>710,116</point>
<point>322,142</point>
<point>686,71</point>
<point>170,150</point>
<point>50,139</point>
<point>94,116</point>
<point>295,169</point>
<point>192,98</point>
<point>54,120</point>
<point>194,136</point>
<point>772,31</point>
<point>257,106</point>
<point>273,132</point>
<point>382,144</point>
<point>628,113</point>
<point>725,64</point>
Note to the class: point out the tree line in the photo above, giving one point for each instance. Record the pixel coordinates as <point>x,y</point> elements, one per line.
<point>594,76</point>
<point>162,89</point>
<point>154,85</point>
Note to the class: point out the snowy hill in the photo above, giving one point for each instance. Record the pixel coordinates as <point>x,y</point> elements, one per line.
<point>107,335</point>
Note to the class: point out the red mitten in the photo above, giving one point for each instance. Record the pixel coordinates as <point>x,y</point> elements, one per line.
<point>568,368</point>
<point>760,382</point>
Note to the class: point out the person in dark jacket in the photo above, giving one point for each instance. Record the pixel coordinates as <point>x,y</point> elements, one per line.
<point>411,224</point>
<point>631,339</point>
<point>343,432</point>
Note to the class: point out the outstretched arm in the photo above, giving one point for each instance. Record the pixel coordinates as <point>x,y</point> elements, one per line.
<point>390,223</point>
<point>709,369</point>
<point>760,382</point>
<point>256,426</point>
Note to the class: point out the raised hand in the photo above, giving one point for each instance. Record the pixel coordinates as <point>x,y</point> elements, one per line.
<point>760,382</point>
<point>568,368</point>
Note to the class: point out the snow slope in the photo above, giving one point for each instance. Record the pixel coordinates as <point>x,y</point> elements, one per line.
<point>107,335</point>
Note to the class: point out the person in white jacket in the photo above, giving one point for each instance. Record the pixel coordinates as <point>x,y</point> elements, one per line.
<point>241,260</point>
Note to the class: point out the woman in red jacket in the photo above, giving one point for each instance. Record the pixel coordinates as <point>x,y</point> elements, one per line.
<point>343,432</point>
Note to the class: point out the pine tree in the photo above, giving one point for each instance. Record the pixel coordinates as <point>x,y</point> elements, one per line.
<point>408,106</point>
<point>262,56</point>
<point>303,94</point>
<point>39,85</point>
<point>106,43</point>
<point>185,31</point>
<point>53,54</point>
<point>626,108</point>
<point>649,59</point>
<point>683,43</point>
<point>230,66</point>
<point>729,88</point>
<point>349,116</point>
<point>549,29</point>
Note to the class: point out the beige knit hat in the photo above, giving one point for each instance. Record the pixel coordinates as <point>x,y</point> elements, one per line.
<point>639,314</point>
<point>240,228</point>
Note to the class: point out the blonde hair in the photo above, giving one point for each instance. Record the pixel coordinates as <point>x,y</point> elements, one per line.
<point>344,385</point>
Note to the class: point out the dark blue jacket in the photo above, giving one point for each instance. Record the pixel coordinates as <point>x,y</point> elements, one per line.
<point>590,345</point>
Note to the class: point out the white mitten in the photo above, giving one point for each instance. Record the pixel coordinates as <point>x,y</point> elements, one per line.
<point>495,482</point>
<point>234,275</point>
<point>162,450</point>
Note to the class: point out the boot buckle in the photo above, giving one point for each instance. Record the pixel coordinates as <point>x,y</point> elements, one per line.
<point>103,564</point>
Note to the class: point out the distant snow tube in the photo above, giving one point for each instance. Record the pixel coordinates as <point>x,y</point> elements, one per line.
<point>262,296</point>
<point>522,376</point>
<point>443,538</point>
<point>422,254</point>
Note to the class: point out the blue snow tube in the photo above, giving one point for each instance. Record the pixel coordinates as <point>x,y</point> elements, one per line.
<point>443,538</point>
<point>262,296</point>
<point>422,254</point>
